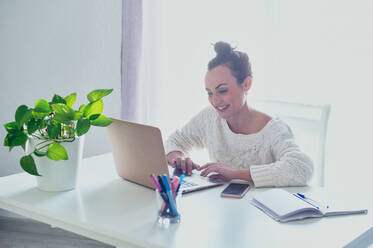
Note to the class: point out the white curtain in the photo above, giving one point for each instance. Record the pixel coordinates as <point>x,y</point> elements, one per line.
<point>140,69</point>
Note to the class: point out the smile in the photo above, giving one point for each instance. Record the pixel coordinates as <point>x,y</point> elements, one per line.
<point>222,108</point>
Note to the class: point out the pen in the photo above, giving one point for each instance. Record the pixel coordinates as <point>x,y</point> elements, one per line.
<point>163,191</point>
<point>180,181</point>
<point>161,183</point>
<point>175,184</point>
<point>309,200</point>
<point>156,184</point>
<point>302,197</point>
<point>172,185</point>
<point>176,180</point>
<point>169,193</point>
<point>158,187</point>
<point>163,194</point>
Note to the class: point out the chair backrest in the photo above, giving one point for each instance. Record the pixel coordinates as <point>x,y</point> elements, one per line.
<point>309,125</point>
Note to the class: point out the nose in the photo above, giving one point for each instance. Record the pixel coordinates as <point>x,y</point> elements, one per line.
<point>215,100</point>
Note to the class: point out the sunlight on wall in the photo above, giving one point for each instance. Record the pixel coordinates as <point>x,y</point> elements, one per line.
<point>311,52</point>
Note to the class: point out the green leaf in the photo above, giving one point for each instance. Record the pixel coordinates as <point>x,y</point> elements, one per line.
<point>42,106</point>
<point>39,115</point>
<point>101,121</point>
<point>77,115</point>
<point>26,117</point>
<point>23,114</point>
<point>94,117</point>
<point>21,110</point>
<point>63,113</point>
<point>15,139</point>
<point>41,123</point>
<point>57,152</point>
<point>81,108</point>
<point>28,165</point>
<point>32,126</point>
<point>98,94</point>
<point>11,127</point>
<point>70,99</point>
<point>58,99</point>
<point>6,140</point>
<point>93,108</point>
<point>54,129</point>
<point>82,126</point>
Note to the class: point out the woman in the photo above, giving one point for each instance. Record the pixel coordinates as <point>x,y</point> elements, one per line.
<point>242,142</point>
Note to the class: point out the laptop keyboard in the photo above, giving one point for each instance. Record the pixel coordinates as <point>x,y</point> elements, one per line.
<point>185,184</point>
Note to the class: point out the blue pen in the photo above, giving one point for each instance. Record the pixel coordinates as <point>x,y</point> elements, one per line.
<point>306,199</point>
<point>169,193</point>
<point>180,181</point>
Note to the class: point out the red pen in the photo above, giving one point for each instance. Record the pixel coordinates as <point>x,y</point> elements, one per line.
<point>175,182</point>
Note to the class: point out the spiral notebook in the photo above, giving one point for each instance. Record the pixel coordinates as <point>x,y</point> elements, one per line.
<point>283,206</point>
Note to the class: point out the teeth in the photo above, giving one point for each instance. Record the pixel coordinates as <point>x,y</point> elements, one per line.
<point>221,108</point>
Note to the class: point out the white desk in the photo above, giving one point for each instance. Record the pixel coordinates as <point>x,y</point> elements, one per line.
<point>109,209</point>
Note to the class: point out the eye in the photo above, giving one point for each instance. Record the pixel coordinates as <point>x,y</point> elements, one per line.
<point>223,91</point>
<point>209,93</point>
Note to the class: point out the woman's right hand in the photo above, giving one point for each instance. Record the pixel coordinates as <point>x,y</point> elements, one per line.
<point>176,160</point>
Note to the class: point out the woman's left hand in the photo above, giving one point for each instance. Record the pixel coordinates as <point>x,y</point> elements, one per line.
<point>223,171</point>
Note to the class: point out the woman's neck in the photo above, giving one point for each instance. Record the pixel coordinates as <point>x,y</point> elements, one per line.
<point>240,122</point>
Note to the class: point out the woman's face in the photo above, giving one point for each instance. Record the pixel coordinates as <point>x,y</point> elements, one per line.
<point>224,93</point>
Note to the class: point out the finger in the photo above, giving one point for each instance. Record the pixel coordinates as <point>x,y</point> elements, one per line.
<point>208,170</point>
<point>205,166</point>
<point>178,163</point>
<point>182,165</point>
<point>215,176</point>
<point>188,166</point>
<point>196,166</point>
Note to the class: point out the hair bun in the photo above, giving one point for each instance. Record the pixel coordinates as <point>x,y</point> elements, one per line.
<point>222,48</point>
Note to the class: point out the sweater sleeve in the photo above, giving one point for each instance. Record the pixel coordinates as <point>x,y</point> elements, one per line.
<point>190,136</point>
<point>291,166</point>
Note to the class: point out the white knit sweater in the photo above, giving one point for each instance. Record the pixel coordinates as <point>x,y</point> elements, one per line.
<point>271,154</point>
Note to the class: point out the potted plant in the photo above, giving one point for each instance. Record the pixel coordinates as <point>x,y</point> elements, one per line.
<point>52,135</point>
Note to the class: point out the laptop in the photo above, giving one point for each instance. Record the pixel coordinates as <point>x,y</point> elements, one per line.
<point>138,152</point>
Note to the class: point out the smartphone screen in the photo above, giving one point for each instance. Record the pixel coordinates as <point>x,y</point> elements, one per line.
<point>235,190</point>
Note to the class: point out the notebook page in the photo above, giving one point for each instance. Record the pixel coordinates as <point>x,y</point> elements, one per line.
<point>281,202</point>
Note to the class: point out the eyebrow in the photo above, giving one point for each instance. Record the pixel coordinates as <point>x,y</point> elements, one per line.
<point>218,86</point>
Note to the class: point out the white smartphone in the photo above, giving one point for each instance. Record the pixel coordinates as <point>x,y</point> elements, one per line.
<point>235,190</point>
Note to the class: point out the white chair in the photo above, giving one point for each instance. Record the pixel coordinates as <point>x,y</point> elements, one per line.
<point>309,125</point>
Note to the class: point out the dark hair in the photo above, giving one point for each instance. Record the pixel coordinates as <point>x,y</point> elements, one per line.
<point>238,62</point>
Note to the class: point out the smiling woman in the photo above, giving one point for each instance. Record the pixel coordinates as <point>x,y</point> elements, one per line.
<point>243,143</point>
<point>227,82</point>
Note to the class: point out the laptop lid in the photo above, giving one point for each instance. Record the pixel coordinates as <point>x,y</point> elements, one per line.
<point>137,151</point>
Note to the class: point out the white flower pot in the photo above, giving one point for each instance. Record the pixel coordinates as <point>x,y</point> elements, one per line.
<point>58,175</point>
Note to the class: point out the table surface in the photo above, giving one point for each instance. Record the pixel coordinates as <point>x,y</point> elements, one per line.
<point>109,209</point>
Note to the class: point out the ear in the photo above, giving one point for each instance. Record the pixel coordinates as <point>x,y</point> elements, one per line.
<point>247,84</point>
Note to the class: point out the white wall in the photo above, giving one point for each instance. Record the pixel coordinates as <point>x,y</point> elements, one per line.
<point>310,51</point>
<point>61,47</point>
<point>307,51</point>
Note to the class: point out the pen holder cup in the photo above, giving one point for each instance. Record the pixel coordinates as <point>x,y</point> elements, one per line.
<point>166,213</point>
